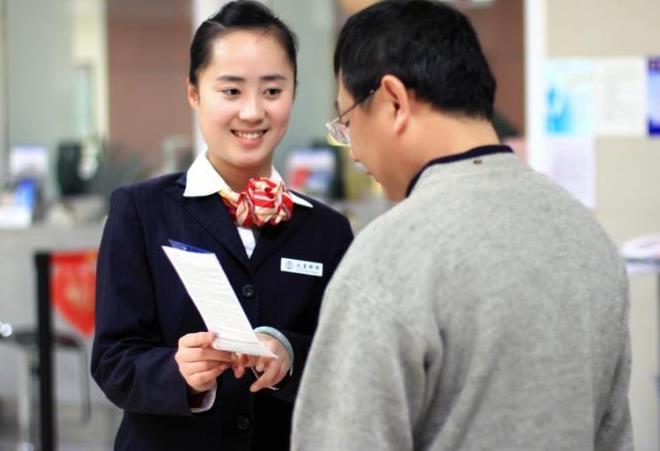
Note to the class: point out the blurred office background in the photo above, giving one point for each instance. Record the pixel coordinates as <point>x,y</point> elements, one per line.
<point>92,96</point>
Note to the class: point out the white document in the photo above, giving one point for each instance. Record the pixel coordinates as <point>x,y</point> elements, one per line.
<point>620,86</point>
<point>212,294</point>
<point>573,165</point>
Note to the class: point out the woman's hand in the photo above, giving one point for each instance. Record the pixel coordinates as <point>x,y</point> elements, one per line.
<point>199,363</point>
<point>272,370</point>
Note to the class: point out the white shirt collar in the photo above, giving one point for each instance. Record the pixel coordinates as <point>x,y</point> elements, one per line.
<point>203,180</point>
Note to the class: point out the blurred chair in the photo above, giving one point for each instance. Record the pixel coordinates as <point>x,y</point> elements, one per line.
<point>65,280</point>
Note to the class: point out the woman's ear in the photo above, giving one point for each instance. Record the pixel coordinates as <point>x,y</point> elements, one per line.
<point>193,95</point>
<point>395,93</point>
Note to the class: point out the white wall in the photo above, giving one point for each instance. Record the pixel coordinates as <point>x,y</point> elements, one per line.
<point>40,45</point>
<point>628,168</point>
<point>40,85</point>
<point>89,47</point>
<point>315,28</point>
<point>3,88</point>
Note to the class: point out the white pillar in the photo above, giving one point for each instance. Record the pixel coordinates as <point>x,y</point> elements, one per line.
<point>4,132</point>
<point>201,10</point>
<point>535,60</point>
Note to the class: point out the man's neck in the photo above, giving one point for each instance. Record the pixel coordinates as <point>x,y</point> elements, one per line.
<point>435,135</point>
<point>449,135</point>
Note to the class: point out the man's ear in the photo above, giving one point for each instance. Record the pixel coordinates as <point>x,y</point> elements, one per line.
<point>193,95</point>
<point>395,92</point>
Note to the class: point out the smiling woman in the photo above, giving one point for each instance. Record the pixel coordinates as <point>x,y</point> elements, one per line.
<point>152,354</point>
<point>243,97</point>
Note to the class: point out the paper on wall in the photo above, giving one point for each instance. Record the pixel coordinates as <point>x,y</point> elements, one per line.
<point>572,164</point>
<point>620,96</point>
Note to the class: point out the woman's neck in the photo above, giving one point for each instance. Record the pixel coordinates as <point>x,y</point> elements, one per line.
<point>237,178</point>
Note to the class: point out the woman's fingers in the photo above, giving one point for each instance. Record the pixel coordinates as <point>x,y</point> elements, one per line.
<point>198,362</point>
<point>197,347</point>
<point>205,380</point>
<point>200,367</point>
<point>273,372</point>
<point>196,339</point>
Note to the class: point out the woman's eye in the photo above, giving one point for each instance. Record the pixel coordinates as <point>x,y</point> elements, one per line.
<point>273,92</point>
<point>231,92</point>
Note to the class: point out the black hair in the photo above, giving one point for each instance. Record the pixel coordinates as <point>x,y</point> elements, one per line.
<point>430,46</point>
<point>239,15</point>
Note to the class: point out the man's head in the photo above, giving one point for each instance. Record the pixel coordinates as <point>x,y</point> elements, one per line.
<point>401,60</point>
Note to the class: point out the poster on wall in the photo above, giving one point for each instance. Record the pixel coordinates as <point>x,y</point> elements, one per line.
<point>620,85</point>
<point>569,97</point>
<point>653,96</point>
<point>72,284</point>
<point>572,164</point>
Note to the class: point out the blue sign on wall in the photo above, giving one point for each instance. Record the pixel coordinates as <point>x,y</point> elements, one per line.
<point>654,96</point>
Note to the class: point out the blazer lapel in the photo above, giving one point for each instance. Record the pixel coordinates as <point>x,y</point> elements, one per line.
<point>271,238</point>
<point>211,213</point>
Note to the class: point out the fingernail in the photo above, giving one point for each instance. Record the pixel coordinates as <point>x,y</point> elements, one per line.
<point>260,368</point>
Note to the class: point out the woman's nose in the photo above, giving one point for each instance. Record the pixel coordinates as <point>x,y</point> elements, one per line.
<point>251,110</point>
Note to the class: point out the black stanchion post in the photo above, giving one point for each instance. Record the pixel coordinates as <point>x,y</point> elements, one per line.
<point>45,348</point>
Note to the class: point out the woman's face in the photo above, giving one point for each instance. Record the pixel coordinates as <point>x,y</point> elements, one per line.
<point>243,98</point>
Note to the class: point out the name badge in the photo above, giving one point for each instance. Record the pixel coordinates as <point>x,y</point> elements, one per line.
<point>301,267</point>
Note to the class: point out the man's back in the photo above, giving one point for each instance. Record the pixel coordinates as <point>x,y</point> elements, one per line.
<point>486,311</point>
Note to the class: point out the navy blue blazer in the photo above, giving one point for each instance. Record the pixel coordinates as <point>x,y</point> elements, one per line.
<point>142,309</point>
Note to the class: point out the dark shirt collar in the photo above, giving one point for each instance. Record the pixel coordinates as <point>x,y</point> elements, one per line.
<point>467,155</point>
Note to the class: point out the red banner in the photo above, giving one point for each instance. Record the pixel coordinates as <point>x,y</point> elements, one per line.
<point>72,285</point>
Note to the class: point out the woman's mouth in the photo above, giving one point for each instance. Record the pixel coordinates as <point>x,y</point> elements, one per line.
<point>249,135</point>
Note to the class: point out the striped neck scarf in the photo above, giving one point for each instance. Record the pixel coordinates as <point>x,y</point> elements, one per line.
<point>263,202</point>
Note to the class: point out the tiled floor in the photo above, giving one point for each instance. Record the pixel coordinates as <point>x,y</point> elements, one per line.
<point>9,445</point>
<point>96,434</point>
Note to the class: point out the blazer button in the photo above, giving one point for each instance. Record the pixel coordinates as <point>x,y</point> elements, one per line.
<point>248,291</point>
<point>243,423</point>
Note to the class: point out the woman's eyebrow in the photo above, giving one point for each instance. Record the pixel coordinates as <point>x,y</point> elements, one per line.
<point>239,79</point>
<point>234,78</point>
<point>273,77</point>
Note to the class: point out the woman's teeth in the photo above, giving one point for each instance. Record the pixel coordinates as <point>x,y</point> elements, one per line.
<point>249,135</point>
